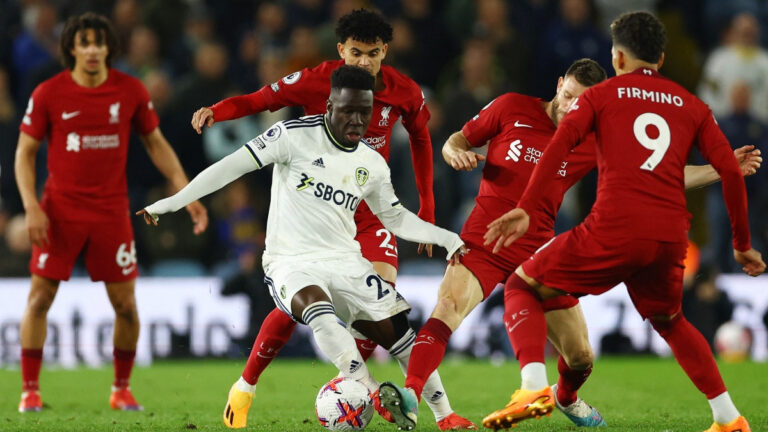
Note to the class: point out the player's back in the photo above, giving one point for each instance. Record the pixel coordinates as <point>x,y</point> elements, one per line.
<point>645,125</point>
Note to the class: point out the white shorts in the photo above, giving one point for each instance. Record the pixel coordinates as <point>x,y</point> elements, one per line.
<point>355,289</point>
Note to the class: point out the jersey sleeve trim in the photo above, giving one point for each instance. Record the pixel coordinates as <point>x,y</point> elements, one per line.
<point>255,158</point>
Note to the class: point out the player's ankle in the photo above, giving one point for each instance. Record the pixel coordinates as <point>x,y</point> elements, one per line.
<point>245,386</point>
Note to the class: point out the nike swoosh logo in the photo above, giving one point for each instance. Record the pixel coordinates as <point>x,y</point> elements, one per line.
<point>518,124</point>
<point>66,116</point>
<point>516,324</point>
<point>128,270</point>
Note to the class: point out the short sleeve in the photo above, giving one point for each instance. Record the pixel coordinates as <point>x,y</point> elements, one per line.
<point>381,197</point>
<point>272,146</point>
<point>145,118</point>
<point>483,126</point>
<point>36,121</point>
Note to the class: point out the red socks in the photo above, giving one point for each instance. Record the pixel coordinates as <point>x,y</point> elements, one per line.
<point>31,360</point>
<point>692,353</point>
<point>365,347</point>
<point>427,353</point>
<point>123,363</point>
<point>570,382</point>
<point>524,321</point>
<point>274,333</point>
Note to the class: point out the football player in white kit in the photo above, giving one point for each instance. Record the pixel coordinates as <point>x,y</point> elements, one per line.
<point>313,265</point>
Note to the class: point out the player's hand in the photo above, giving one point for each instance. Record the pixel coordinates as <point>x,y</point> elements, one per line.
<point>749,159</point>
<point>199,216</point>
<point>423,247</point>
<point>148,218</point>
<point>456,257</point>
<point>37,226</point>
<point>202,117</point>
<point>751,261</point>
<point>507,228</point>
<point>466,160</point>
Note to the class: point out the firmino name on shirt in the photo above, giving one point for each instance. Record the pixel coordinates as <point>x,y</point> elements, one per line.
<point>649,95</point>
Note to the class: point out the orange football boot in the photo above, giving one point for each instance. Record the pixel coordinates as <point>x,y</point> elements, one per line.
<point>30,402</point>
<point>523,404</point>
<point>738,425</point>
<point>122,399</point>
<point>455,422</point>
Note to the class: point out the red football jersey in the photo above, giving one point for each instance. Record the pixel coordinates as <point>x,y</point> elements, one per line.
<point>517,130</point>
<point>645,126</point>
<point>88,131</point>
<point>309,88</point>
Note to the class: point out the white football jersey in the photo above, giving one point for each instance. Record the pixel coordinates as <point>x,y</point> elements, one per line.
<point>316,187</point>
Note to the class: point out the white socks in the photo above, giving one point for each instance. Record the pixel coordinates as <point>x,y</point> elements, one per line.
<point>243,386</point>
<point>534,376</point>
<point>336,343</point>
<point>723,409</point>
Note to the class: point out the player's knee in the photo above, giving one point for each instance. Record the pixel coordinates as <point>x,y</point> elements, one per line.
<point>447,308</point>
<point>125,309</point>
<point>39,303</point>
<point>580,359</point>
<point>663,323</point>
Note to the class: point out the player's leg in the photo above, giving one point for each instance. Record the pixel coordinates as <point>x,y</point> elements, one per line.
<point>33,329</point>
<point>125,337</point>
<point>48,266</point>
<point>657,293</point>
<point>274,333</point>
<point>567,331</point>
<point>396,336</point>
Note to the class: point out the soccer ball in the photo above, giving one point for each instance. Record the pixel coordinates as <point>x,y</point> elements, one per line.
<point>344,404</point>
<point>732,342</point>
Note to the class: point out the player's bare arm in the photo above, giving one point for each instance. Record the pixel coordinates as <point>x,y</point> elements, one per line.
<point>749,158</point>
<point>36,219</point>
<point>457,152</point>
<point>202,117</point>
<point>166,161</point>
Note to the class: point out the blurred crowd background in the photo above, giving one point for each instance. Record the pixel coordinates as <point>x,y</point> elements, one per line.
<point>464,53</point>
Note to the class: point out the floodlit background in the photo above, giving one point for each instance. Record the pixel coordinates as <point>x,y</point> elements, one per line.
<point>463,53</point>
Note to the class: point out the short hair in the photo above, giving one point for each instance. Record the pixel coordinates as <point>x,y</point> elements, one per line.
<point>587,72</point>
<point>641,33</point>
<point>352,77</point>
<point>365,26</point>
<point>105,33</point>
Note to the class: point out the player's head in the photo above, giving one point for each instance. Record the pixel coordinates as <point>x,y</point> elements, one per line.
<point>350,104</point>
<point>88,42</point>
<point>581,75</point>
<point>364,36</point>
<point>638,40</point>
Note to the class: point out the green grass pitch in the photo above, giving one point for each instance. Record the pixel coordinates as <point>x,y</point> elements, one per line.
<point>633,394</point>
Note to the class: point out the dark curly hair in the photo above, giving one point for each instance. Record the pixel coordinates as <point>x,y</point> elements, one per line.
<point>587,72</point>
<point>365,26</point>
<point>105,34</point>
<point>641,33</point>
<point>352,77</point>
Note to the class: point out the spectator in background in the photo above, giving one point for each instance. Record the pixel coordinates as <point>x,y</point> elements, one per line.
<point>571,35</point>
<point>428,35</point>
<point>142,55</point>
<point>199,29</point>
<point>202,86</point>
<point>303,51</point>
<point>245,65</point>
<point>36,46</point>
<point>9,195</point>
<point>705,305</point>
<point>739,59</point>
<point>270,23</point>
<point>508,46</point>
<point>326,33</point>
<point>14,245</point>
<point>126,15</point>
<point>226,137</point>
<point>741,128</point>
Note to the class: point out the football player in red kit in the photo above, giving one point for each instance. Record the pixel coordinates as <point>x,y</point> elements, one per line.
<point>86,113</point>
<point>636,232</point>
<point>517,129</point>
<point>363,40</point>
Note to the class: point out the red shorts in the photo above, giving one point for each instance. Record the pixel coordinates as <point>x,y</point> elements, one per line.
<point>490,269</point>
<point>376,243</point>
<point>110,252</point>
<point>581,262</point>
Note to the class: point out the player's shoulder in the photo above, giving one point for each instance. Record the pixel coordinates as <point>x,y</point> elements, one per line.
<point>369,152</point>
<point>298,129</point>
<point>324,69</point>
<point>399,82</point>
<point>53,83</point>
<point>123,79</point>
